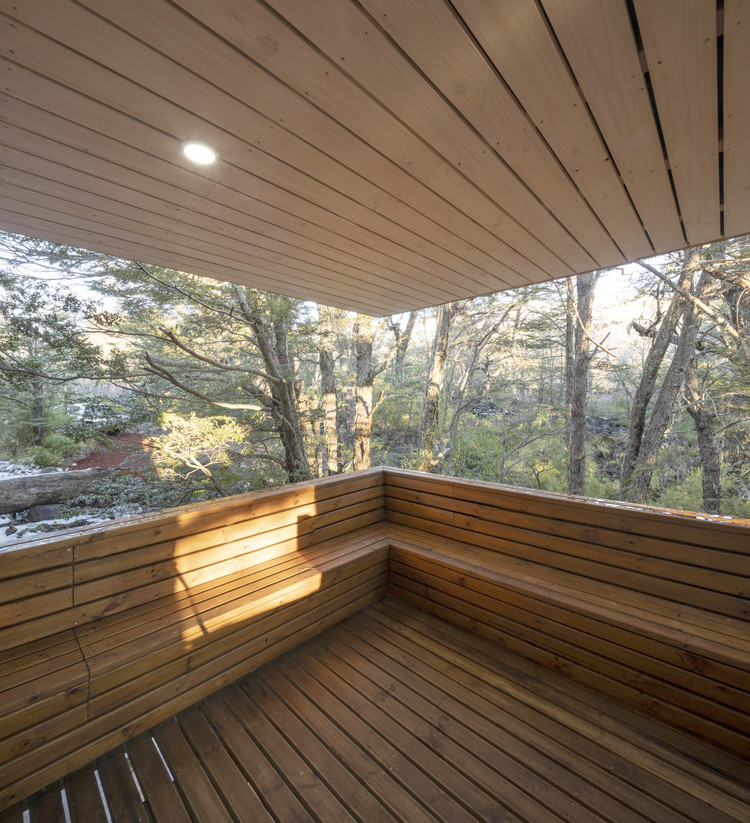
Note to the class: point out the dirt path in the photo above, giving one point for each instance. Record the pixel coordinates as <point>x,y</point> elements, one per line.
<point>126,450</point>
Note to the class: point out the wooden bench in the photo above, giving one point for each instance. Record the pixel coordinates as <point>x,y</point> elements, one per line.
<point>107,633</point>
<point>652,610</point>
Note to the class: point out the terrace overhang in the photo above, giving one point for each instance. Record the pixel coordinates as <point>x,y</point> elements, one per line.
<point>377,155</point>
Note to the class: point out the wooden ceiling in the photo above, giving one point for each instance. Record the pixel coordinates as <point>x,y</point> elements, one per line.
<point>378,155</point>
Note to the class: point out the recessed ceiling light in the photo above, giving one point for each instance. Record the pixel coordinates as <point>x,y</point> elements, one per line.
<point>198,152</point>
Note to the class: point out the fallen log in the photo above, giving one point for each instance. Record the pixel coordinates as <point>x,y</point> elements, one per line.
<point>20,493</point>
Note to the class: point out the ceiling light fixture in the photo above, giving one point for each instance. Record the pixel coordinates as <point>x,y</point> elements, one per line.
<point>198,152</point>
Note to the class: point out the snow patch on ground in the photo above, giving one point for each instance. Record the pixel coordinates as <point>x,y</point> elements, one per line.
<point>9,470</point>
<point>13,527</point>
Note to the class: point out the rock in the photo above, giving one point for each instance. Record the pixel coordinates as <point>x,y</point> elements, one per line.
<point>38,513</point>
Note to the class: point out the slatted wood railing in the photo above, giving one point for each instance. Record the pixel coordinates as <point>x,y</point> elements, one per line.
<point>647,606</point>
<point>107,631</point>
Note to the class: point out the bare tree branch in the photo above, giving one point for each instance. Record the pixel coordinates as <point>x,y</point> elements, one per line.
<point>190,296</point>
<point>696,301</point>
<point>211,361</point>
<point>161,372</point>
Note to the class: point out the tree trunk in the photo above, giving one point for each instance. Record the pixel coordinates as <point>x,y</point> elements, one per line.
<point>431,412</point>
<point>577,389</point>
<point>403,338</point>
<point>647,383</point>
<point>328,394</point>
<point>459,395</point>
<point>37,413</point>
<point>345,417</point>
<point>664,405</point>
<point>570,342</point>
<point>305,410</point>
<point>364,336</point>
<point>272,342</point>
<point>705,429</point>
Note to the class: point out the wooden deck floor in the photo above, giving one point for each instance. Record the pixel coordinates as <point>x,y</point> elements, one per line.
<point>393,715</point>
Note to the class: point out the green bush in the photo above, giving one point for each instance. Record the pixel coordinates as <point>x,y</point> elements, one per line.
<point>55,450</point>
<point>687,495</point>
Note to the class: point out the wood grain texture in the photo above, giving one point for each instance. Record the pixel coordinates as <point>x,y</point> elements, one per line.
<point>646,606</point>
<point>393,715</point>
<point>410,155</point>
<point>736,116</point>
<point>168,608</point>
<point>653,612</point>
<point>680,50</point>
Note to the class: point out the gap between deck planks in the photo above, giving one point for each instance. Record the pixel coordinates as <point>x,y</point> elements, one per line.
<point>395,715</point>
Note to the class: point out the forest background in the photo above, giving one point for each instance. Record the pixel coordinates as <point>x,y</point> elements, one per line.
<point>626,385</point>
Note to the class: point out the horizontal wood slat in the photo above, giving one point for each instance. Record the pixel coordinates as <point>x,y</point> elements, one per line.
<point>679,558</point>
<point>653,615</point>
<point>412,154</point>
<point>123,625</point>
<point>392,715</point>
<point>166,608</point>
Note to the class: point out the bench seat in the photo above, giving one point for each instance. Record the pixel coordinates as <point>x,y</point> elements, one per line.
<point>681,664</point>
<point>211,631</point>
<point>74,695</point>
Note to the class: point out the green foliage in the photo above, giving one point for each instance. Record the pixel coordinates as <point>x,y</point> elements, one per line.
<point>55,450</point>
<point>187,354</point>
<point>200,450</point>
<point>687,495</point>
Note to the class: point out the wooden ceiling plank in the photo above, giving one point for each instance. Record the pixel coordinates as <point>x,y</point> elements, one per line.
<point>356,275</point>
<point>516,38</point>
<point>98,225</point>
<point>316,80</point>
<point>325,273</point>
<point>159,213</point>
<point>282,281</point>
<point>158,234</point>
<point>64,232</point>
<point>381,185</point>
<point>49,171</point>
<point>116,161</point>
<point>57,100</point>
<point>133,190</point>
<point>598,42</point>
<point>86,32</point>
<point>680,50</point>
<point>736,117</point>
<point>433,38</point>
<point>368,57</point>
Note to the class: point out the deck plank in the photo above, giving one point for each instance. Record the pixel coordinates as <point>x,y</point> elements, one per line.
<point>84,800</point>
<point>343,704</point>
<point>418,741</point>
<point>633,753</point>
<point>352,793</point>
<point>311,701</point>
<point>394,715</point>
<point>299,774</point>
<point>155,781</point>
<point>278,797</point>
<point>561,788</point>
<point>489,766</point>
<point>46,806</point>
<point>123,800</point>
<point>194,784</point>
<point>238,794</point>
